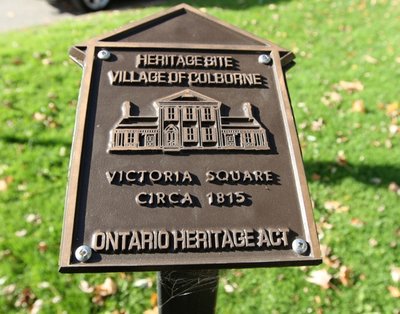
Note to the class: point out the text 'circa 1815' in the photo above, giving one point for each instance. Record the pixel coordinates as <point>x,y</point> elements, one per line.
<point>186,178</point>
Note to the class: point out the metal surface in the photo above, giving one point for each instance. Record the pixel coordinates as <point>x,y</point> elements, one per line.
<point>183,156</point>
<point>192,291</point>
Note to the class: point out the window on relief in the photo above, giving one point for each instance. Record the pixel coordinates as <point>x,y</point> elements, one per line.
<point>190,135</point>
<point>171,113</point>
<point>208,135</point>
<point>207,114</point>
<point>189,113</point>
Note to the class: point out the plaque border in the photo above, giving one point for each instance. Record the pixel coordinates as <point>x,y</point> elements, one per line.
<point>282,59</point>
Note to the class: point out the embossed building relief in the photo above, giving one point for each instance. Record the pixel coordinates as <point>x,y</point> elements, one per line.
<point>187,120</point>
<point>185,152</point>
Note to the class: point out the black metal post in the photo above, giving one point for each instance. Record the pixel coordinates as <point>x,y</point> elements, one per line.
<point>189,291</point>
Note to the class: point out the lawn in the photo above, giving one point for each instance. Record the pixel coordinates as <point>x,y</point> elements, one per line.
<point>346,99</point>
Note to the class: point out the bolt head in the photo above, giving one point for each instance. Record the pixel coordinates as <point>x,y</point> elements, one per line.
<point>103,54</point>
<point>299,246</point>
<point>83,253</point>
<point>264,59</point>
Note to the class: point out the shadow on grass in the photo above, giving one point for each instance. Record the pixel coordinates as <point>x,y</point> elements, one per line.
<point>67,6</point>
<point>332,173</point>
<point>12,139</point>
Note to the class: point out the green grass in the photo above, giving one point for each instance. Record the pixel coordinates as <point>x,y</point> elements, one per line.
<point>38,95</point>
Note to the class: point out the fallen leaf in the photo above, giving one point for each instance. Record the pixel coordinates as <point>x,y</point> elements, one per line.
<point>52,106</point>
<point>331,98</point>
<point>237,273</point>
<point>42,247</point>
<point>275,17</point>
<point>21,233</point>
<point>311,138</point>
<point>22,187</point>
<point>143,283</point>
<point>17,61</point>
<point>5,182</point>
<point>376,143</point>
<point>381,208</point>
<point>3,185</point>
<point>154,299</point>
<point>63,151</point>
<point>47,61</point>
<point>44,285</point>
<point>370,59</point>
<point>36,307</point>
<point>342,139</point>
<point>394,292</point>
<point>33,218</point>
<point>52,95</point>
<point>355,86</point>
<point>151,311</point>
<point>388,144</point>
<point>56,299</point>
<point>107,288</point>
<point>38,116</point>
<point>325,250</point>
<point>10,289</point>
<point>395,273</point>
<point>332,261</point>
<point>324,224</point>
<point>25,299</point>
<point>373,242</point>
<point>341,158</point>
<point>394,187</point>
<point>393,129</point>
<point>321,278</point>
<point>85,287</point>
<point>229,288</point>
<point>317,125</point>
<point>344,275</point>
<point>315,177</point>
<point>303,125</point>
<point>392,110</point>
<point>356,222</point>
<point>331,205</point>
<point>358,106</point>
<point>336,207</point>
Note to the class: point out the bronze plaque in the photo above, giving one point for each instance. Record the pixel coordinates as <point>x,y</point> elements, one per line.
<point>185,152</point>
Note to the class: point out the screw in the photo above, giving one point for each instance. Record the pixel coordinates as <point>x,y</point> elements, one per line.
<point>264,59</point>
<point>83,253</point>
<point>104,54</point>
<point>299,246</point>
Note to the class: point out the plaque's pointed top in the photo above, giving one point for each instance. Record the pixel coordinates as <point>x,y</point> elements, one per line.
<point>186,95</point>
<point>181,26</point>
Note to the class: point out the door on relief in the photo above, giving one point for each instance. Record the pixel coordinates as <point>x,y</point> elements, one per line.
<point>171,137</point>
